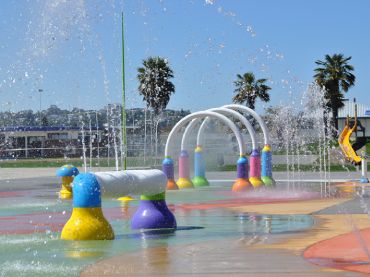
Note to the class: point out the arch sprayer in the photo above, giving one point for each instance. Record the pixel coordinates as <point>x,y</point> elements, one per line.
<point>168,165</point>
<point>255,166</point>
<point>266,174</point>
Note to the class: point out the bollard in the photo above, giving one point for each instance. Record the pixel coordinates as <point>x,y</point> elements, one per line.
<point>255,169</point>
<point>153,213</point>
<point>199,179</point>
<point>242,183</point>
<point>184,181</point>
<point>67,172</point>
<point>267,166</point>
<point>87,221</point>
<point>168,170</point>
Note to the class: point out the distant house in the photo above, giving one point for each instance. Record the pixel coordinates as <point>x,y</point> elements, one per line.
<point>20,138</point>
<point>42,141</point>
<point>363,115</point>
<point>64,141</point>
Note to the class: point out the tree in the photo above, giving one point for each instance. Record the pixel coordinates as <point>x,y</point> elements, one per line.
<point>154,83</point>
<point>156,88</point>
<point>334,74</point>
<point>44,121</point>
<point>248,89</point>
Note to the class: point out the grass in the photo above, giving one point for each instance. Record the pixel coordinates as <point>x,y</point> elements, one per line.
<point>103,162</point>
<point>309,148</point>
<point>283,167</point>
<point>133,162</point>
<point>333,168</point>
<point>139,162</point>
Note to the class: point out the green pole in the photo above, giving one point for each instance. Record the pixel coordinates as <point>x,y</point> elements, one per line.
<point>123,119</point>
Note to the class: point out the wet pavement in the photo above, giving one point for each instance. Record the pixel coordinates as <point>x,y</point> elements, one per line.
<point>262,233</point>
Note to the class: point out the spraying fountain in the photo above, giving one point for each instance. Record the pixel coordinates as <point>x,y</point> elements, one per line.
<point>243,182</point>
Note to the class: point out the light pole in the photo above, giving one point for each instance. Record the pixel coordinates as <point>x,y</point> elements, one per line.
<point>40,119</point>
<point>123,113</point>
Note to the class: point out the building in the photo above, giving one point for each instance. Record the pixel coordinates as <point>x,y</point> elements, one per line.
<point>101,135</point>
<point>44,141</point>
<point>62,141</point>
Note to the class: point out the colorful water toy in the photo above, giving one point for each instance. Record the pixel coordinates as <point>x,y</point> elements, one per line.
<point>67,172</point>
<point>260,165</point>
<point>87,221</point>
<point>266,173</point>
<point>126,198</point>
<point>169,171</point>
<point>151,185</point>
<point>345,143</point>
<point>353,126</point>
<point>349,149</point>
<point>184,181</point>
<point>255,169</point>
<point>153,213</point>
<point>267,166</point>
<point>242,183</point>
<point>200,179</point>
<point>255,161</point>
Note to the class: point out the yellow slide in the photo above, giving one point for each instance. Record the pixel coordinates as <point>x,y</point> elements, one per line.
<point>345,144</point>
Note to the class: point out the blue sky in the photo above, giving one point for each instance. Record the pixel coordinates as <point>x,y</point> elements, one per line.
<point>71,49</point>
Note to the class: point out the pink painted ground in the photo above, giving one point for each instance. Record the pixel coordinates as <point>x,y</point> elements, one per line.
<point>54,221</point>
<point>18,193</point>
<point>346,252</point>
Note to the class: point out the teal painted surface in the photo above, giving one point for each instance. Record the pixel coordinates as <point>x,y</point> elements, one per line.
<point>44,254</point>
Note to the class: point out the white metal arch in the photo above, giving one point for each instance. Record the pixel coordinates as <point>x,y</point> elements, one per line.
<point>235,114</point>
<point>204,114</point>
<point>256,116</point>
<point>187,131</point>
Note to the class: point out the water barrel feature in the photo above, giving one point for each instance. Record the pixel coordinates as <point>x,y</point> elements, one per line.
<point>87,221</point>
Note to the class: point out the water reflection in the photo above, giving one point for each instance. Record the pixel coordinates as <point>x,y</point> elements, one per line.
<point>87,249</point>
<point>273,224</point>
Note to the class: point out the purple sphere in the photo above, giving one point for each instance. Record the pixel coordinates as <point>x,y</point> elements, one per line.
<point>153,214</point>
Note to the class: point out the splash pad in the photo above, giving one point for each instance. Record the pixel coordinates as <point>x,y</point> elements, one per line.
<point>34,220</point>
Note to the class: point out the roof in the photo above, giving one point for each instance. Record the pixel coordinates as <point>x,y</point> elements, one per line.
<point>349,109</point>
<point>38,128</point>
<point>52,128</point>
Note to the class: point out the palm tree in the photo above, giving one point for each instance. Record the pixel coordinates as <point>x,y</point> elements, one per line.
<point>154,83</point>
<point>248,89</point>
<point>156,88</point>
<point>334,74</point>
